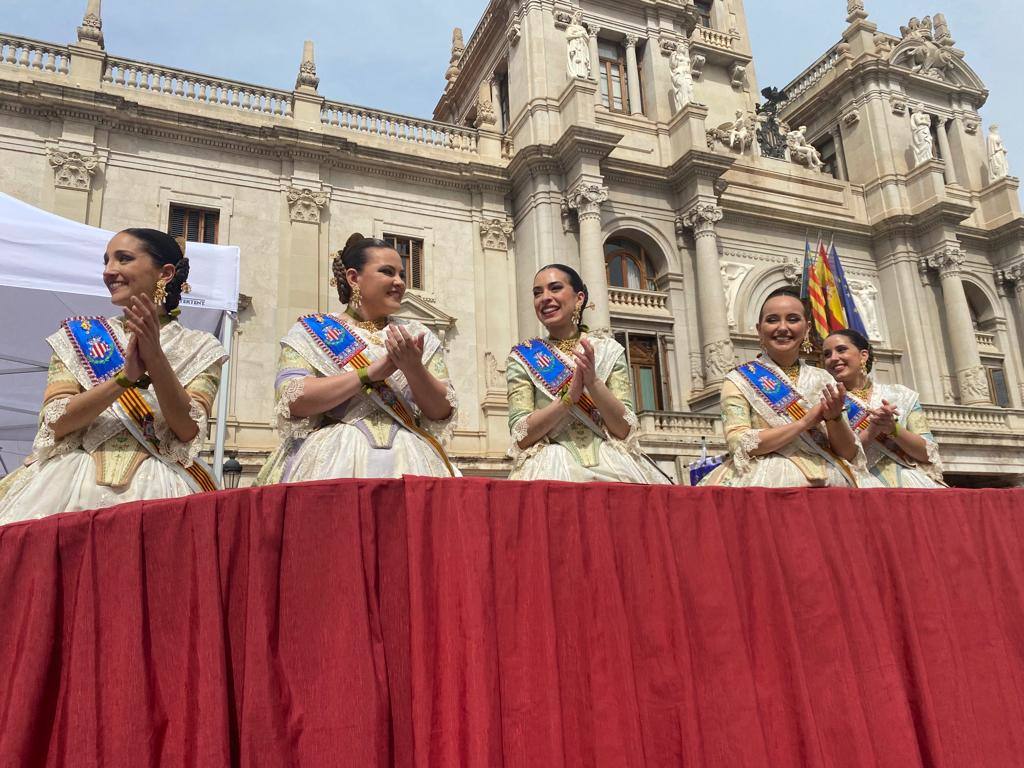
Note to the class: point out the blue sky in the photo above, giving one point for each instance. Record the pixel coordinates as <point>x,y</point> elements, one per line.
<point>392,54</point>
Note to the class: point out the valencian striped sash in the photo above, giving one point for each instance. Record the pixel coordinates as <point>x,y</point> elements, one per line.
<point>102,358</point>
<point>554,374</point>
<point>785,400</point>
<point>858,413</point>
<point>347,351</point>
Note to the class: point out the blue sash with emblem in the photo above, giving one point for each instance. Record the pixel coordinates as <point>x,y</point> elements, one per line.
<point>544,364</point>
<point>857,412</point>
<point>96,347</point>
<point>786,401</point>
<point>335,339</point>
<point>780,396</point>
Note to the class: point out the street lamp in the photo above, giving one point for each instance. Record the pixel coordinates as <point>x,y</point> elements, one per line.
<point>232,472</point>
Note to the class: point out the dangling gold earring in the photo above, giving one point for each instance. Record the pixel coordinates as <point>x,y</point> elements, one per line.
<point>356,298</point>
<point>577,315</point>
<point>864,369</point>
<point>160,292</point>
<point>806,346</point>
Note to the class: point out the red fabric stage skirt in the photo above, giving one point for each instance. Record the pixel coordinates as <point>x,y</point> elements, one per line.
<point>481,623</point>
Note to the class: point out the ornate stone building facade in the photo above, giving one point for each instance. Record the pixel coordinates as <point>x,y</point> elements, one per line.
<point>625,138</point>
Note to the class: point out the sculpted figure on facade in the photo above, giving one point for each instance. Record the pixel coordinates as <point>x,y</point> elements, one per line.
<point>578,43</point>
<point>682,77</point>
<point>920,52</point>
<point>998,168</point>
<point>921,137</point>
<point>801,151</point>
<point>733,275</point>
<point>865,298</point>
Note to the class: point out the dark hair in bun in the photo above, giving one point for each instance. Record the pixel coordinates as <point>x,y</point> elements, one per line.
<point>164,249</point>
<point>858,340</point>
<point>353,256</point>
<point>578,286</point>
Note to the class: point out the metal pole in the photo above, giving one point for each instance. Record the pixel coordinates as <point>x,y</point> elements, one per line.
<point>227,334</point>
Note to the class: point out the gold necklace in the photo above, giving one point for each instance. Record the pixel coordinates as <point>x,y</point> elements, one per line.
<point>373,326</point>
<point>791,371</point>
<point>566,346</point>
<point>864,393</point>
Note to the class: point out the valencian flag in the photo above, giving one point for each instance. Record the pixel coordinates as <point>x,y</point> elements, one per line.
<point>832,306</point>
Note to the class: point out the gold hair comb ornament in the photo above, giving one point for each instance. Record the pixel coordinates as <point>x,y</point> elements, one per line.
<point>186,288</point>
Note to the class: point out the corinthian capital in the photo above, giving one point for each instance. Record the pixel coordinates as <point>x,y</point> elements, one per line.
<point>1010,279</point>
<point>948,261</point>
<point>702,218</point>
<point>305,204</point>
<point>586,198</point>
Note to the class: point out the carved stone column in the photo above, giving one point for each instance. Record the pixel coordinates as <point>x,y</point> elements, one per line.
<point>586,199</point>
<point>499,330</point>
<point>719,357</point>
<point>1011,289</point>
<point>970,374</point>
<point>947,154</point>
<point>837,141</point>
<point>304,276</point>
<point>595,58</point>
<point>633,77</point>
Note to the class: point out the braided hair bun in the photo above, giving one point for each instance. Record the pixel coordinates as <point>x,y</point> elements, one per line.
<point>352,256</point>
<point>164,249</point>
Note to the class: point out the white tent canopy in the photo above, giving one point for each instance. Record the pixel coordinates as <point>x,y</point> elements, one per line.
<point>51,269</point>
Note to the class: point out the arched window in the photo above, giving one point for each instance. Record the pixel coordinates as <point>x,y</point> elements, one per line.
<point>627,265</point>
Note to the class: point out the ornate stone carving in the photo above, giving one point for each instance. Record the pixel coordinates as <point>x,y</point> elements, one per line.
<point>697,62</point>
<point>733,276</point>
<point>632,40</point>
<point>1010,279</point>
<point>740,135</point>
<point>898,102</point>
<point>719,359</point>
<point>495,372</point>
<point>91,31</point>
<point>563,18</point>
<point>948,261</point>
<point>865,298</point>
<point>568,221</point>
<point>307,69</point>
<point>801,151</point>
<point>496,234</point>
<point>668,46</point>
<point>577,38</point>
<point>792,274</point>
<point>971,126</point>
<point>514,32</point>
<point>973,385</point>
<point>682,77</point>
<point>998,168</point>
<point>883,45</point>
<point>454,64</point>
<point>851,118</point>
<point>702,219</point>
<point>921,137</point>
<point>304,204</point>
<point>696,372</point>
<point>586,199</point>
<point>738,76</point>
<point>72,170</point>
<point>920,51</point>
<point>485,114</point>
<point>855,10</point>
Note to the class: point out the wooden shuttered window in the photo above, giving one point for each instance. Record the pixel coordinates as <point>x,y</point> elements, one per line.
<point>612,70</point>
<point>196,225</point>
<point>410,249</point>
<point>643,355</point>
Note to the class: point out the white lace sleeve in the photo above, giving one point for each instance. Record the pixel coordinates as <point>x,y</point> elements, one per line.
<point>176,450</point>
<point>444,429</point>
<point>933,468</point>
<point>748,443</point>
<point>46,444</point>
<point>519,431</point>
<point>291,426</point>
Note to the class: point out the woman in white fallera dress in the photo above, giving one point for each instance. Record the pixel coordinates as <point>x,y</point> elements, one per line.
<point>362,394</point>
<point>900,449</point>
<point>570,403</point>
<point>783,418</point>
<point>127,399</point>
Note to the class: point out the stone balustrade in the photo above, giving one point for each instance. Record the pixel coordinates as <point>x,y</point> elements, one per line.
<point>960,418</point>
<point>810,77</point>
<point>642,302</point>
<point>34,55</point>
<point>986,341</point>
<point>716,39</point>
<point>196,88</point>
<point>686,427</point>
<point>399,127</point>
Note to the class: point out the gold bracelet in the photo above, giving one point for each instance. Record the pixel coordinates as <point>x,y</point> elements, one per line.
<point>124,381</point>
<point>364,377</point>
<point>895,429</point>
